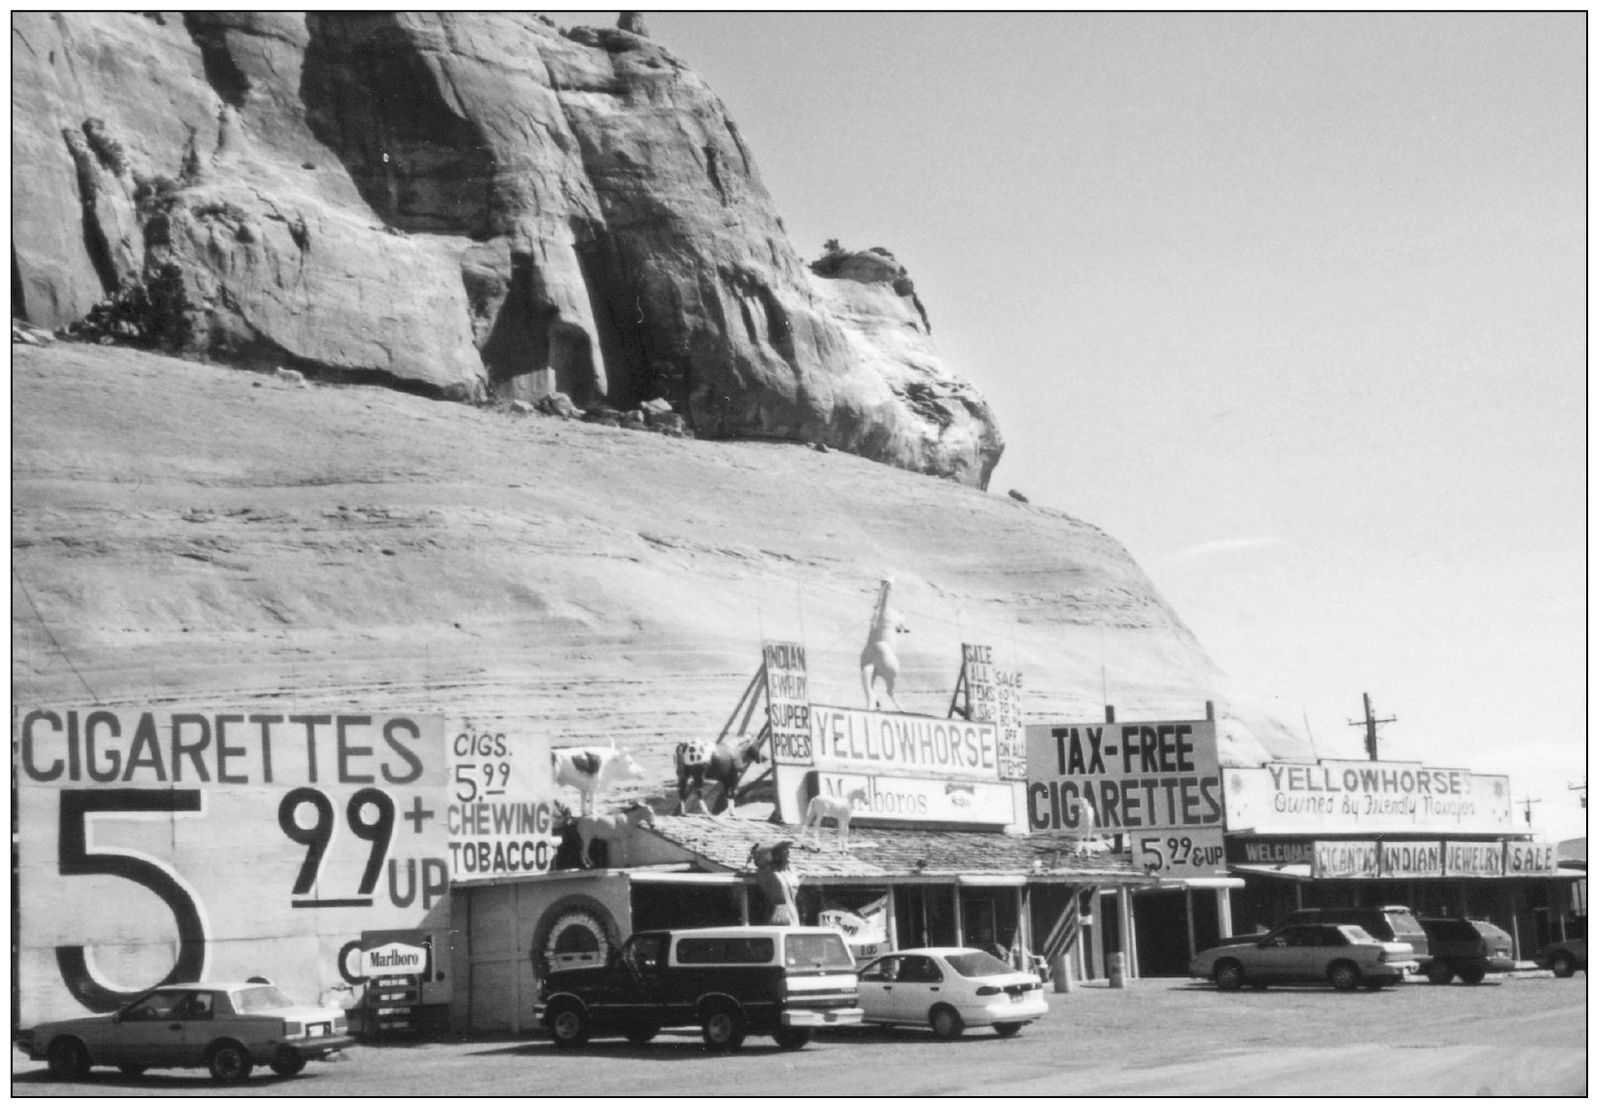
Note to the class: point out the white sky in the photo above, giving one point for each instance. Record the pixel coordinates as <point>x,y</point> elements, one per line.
<point>1293,305</point>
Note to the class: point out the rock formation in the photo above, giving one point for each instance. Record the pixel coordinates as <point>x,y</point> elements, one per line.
<point>465,205</point>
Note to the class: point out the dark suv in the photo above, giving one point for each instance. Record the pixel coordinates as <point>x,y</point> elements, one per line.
<point>1388,924</point>
<point>1467,948</point>
<point>780,980</point>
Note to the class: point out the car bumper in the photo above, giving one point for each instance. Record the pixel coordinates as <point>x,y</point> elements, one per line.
<point>829,1016</point>
<point>1024,1010</point>
<point>314,1048</point>
<point>1390,970</point>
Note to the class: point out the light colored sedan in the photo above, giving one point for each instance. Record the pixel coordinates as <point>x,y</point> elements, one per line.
<point>1340,955</point>
<point>226,1028</point>
<point>949,989</point>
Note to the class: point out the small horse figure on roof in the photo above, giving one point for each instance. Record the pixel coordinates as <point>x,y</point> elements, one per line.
<point>1085,828</point>
<point>879,659</point>
<point>838,808</point>
<point>612,829</point>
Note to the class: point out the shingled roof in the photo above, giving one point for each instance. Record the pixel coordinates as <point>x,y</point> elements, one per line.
<point>725,844</point>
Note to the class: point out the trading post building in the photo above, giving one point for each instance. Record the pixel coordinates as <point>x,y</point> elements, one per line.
<point>423,871</point>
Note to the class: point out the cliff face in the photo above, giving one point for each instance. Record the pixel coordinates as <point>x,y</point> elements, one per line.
<point>466,205</point>
<point>357,547</point>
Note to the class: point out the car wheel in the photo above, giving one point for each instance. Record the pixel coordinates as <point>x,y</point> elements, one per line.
<point>639,1035</point>
<point>287,1062</point>
<point>570,1026</point>
<point>792,1037</point>
<point>228,1063</point>
<point>1229,976</point>
<point>1562,965</point>
<point>1008,1029</point>
<point>69,1060</point>
<point>723,1028</point>
<point>1344,977</point>
<point>1473,974</point>
<point>945,1022</point>
<point>1439,973</point>
<point>131,1070</point>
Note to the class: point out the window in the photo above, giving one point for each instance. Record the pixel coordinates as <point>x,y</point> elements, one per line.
<point>194,1006</point>
<point>158,1006</point>
<point>918,970</point>
<point>822,950</point>
<point>647,950</point>
<point>883,971</point>
<point>263,997</point>
<point>978,963</point>
<point>725,951</point>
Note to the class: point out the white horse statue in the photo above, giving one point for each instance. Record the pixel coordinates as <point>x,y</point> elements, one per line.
<point>838,808</point>
<point>879,655</point>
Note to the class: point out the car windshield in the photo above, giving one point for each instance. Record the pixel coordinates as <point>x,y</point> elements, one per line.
<point>265,997</point>
<point>823,950</point>
<point>976,962</point>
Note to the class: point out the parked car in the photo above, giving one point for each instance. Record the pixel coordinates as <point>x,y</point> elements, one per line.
<point>226,1028</point>
<point>781,980</point>
<point>1466,948</point>
<point>1344,956</point>
<point>1563,958</point>
<point>1390,923</point>
<point>949,989</point>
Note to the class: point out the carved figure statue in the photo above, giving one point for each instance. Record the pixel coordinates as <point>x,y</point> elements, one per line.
<point>593,769</point>
<point>879,660</point>
<point>611,829</point>
<point>1087,828</point>
<point>777,882</point>
<point>838,808</point>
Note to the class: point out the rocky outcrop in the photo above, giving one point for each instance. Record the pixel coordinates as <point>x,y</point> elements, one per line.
<point>466,205</point>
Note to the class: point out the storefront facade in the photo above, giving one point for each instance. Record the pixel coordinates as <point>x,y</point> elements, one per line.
<point>1439,841</point>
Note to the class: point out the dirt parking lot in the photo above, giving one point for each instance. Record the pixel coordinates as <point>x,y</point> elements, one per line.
<point>1517,1035</point>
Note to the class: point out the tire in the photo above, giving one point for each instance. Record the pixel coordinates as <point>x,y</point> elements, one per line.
<point>1563,965</point>
<point>945,1022</point>
<point>793,1037</point>
<point>131,1070</point>
<point>1438,972</point>
<point>1008,1029</point>
<point>1473,974</point>
<point>1344,977</point>
<point>229,1063</point>
<point>286,1062</point>
<point>639,1035</point>
<point>723,1028</point>
<point>570,1026</point>
<point>68,1059</point>
<point>1229,976</point>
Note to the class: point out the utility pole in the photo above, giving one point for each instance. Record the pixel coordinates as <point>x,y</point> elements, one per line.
<point>1528,803</point>
<point>1371,725</point>
<point>1580,788</point>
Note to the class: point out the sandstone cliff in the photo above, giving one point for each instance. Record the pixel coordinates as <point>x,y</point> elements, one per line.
<point>464,205</point>
<point>359,547</point>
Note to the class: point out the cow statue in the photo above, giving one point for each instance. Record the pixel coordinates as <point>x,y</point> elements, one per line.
<point>879,655</point>
<point>838,808</point>
<point>611,829</point>
<point>698,764</point>
<point>593,769</point>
